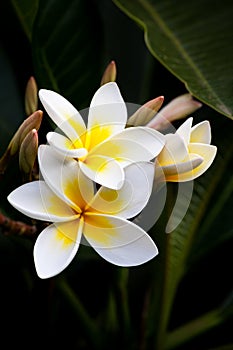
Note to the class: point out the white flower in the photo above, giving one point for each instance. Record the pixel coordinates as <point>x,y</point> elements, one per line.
<point>187,153</point>
<point>66,197</point>
<point>105,146</point>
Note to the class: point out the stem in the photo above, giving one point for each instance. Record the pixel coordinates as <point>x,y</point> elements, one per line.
<point>4,161</point>
<point>111,320</point>
<point>12,227</point>
<point>144,320</point>
<point>123,284</point>
<point>86,321</point>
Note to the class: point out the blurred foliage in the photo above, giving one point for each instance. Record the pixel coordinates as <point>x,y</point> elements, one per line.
<point>183,298</point>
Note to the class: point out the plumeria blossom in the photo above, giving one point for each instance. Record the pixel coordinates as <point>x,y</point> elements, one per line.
<point>187,153</point>
<point>66,197</point>
<point>104,147</point>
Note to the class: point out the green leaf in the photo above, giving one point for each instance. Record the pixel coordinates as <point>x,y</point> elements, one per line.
<point>66,45</point>
<point>66,49</point>
<point>192,329</point>
<point>11,113</point>
<point>211,227</point>
<point>215,228</point>
<point>26,12</point>
<point>224,347</point>
<point>201,324</point>
<point>193,40</point>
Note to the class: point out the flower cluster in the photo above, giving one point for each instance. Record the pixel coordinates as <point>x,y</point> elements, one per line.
<point>97,176</point>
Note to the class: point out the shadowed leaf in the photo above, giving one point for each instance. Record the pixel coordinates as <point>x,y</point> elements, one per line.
<point>193,41</point>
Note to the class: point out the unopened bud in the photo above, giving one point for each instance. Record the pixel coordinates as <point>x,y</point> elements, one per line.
<point>32,122</point>
<point>109,73</point>
<point>180,107</point>
<point>31,96</point>
<point>146,112</point>
<point>28,153</point>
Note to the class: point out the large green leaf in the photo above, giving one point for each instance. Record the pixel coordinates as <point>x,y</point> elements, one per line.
<point>66,46</point>
<point>193,39</point>
<point>67,49</point>
<point>26,11</point>
<point>12,109</point>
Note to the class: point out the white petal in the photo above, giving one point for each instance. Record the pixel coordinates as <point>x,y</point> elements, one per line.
<point>133,195</point>
<point>174,150</point>
<point>201,133</point>
<point>184,167</point>
<point>132,145</point>
<point>107,107</point>
<point>181,205</point>
<point>63,113</point>
<point>206,152</point>
<point>56,247</point>
<point>185,130</point>
<point>119,241</point>
<point>103,170</point>
<point>150,139</point>
<point>36,200</point>
<point>64,146</point>
<point>64,177</point>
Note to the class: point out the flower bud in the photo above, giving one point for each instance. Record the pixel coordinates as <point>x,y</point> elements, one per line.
<point>31,96</point>
<point>180,107</point>
<point>32,122</point>
<point>28,153</point>
<point>146,112</point>
<point>109,73</point>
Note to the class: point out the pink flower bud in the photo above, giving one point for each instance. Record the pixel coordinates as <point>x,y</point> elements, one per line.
<point>178,108</point>
<point>146,112</point>
<point>28,153</point>
<point>31,122</point>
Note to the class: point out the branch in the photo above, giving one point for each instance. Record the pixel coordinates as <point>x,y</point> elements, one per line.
<point>12,227</point>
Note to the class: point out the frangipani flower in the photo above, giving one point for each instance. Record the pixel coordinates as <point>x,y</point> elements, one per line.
<point>187,153</point>
<point>104,147</point>
<point>66,197</point>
